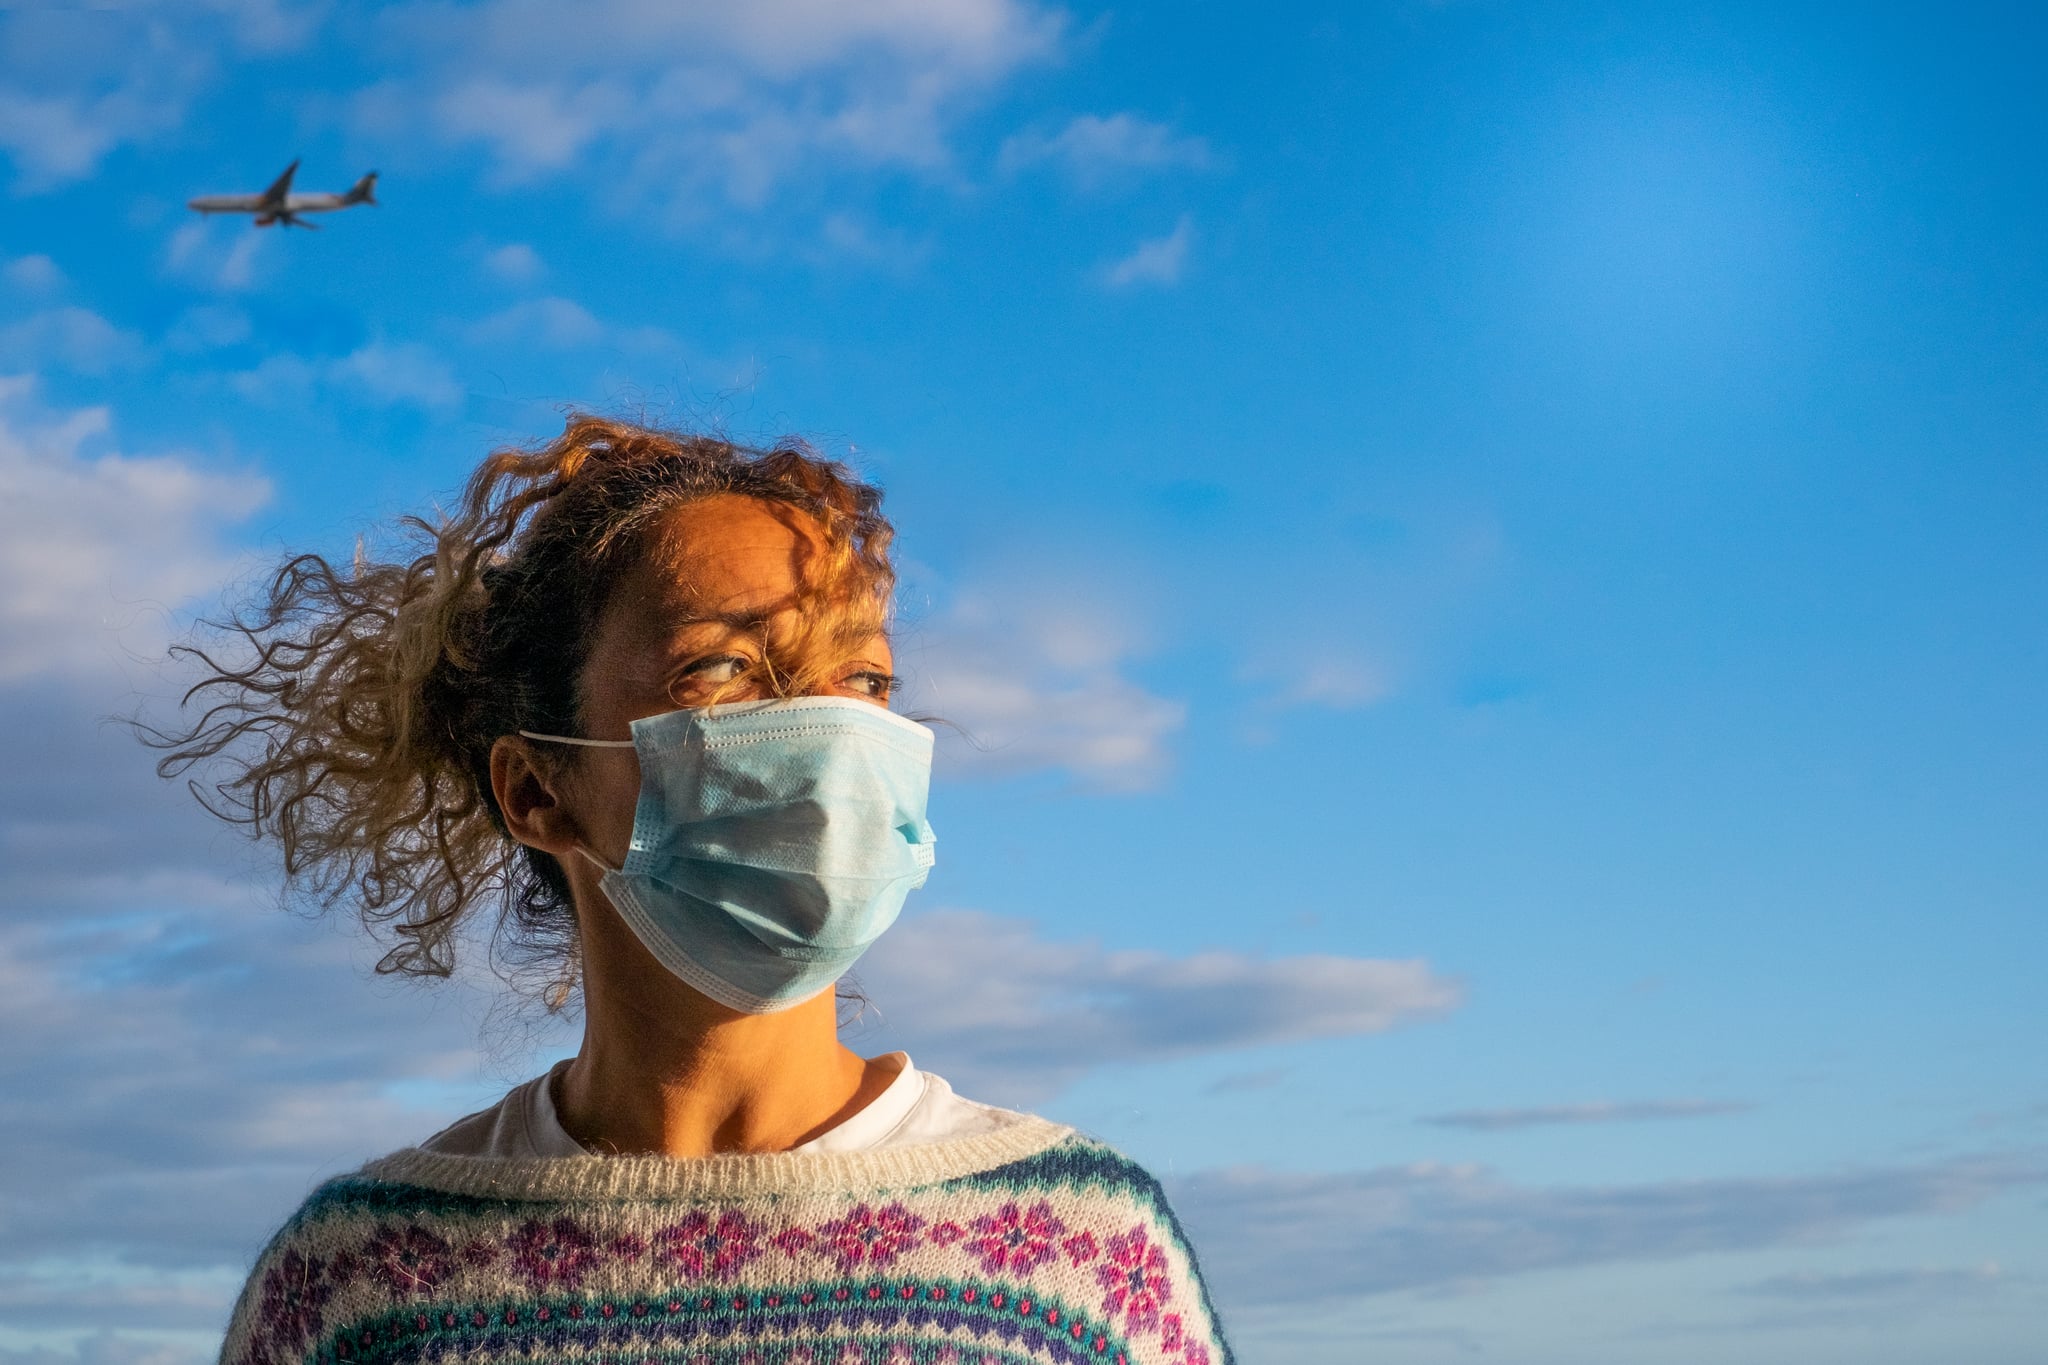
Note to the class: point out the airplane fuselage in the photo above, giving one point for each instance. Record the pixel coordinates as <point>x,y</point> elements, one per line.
<point>256,203</point>
<point>278,205</point>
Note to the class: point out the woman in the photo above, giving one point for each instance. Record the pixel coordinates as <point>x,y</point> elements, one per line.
<point>636,693</point>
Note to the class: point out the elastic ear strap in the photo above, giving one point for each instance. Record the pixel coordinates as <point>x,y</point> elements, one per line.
<point>600,863</point>
<point>586,743</point>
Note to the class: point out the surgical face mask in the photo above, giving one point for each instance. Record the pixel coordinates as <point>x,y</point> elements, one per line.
<point>772,841</point>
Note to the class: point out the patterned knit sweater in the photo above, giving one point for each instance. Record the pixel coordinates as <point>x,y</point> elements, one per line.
<point>1029,1244</point>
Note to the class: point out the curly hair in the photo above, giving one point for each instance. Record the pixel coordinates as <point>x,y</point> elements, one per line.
<point>356,729</point>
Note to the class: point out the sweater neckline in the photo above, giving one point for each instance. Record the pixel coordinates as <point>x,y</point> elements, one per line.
<point>594,1177</point>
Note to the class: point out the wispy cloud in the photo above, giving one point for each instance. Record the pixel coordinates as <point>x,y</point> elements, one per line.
<point>1030,679</point>
<point>34,274</point>
<point>404,372</point>
<point>556,322</point>
<point>1598,1111</point>
<point>1332,682</point>
<point>701,104</point>
<point>79,81</point>
<point>1237,1082</point>
<point>223,255</point>
<point>1010,1014</point>
<point>207,327</point>
<point>383,374</point>
<point>93,541</point>
<point>846,236</point>
<point>1158,261</point>
<point>532,127</point>
<point>564,325</point>
<point>58,135</point>
<point>1095,150</point>
<point>106,1346</point>
<point>140,1021</point>
<point>70,338</point>
<point>515,263</point>
<point>1288,1238</point>
<point>1865,1299</point>
<point>60,1295</point>
<point>174,1106</point>
<point>56,138</point>
<point>1882,1286</point>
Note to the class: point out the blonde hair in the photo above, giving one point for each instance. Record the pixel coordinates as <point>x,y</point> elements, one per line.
<point>357,733</point>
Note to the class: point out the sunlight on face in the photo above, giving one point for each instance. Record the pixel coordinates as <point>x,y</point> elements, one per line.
<point>705,614</point>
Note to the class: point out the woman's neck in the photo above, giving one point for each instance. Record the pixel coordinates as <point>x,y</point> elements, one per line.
<point>694,1082</point>
<point>666,1070</point>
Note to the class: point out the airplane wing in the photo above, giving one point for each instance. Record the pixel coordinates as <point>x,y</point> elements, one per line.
<point>274,197</point>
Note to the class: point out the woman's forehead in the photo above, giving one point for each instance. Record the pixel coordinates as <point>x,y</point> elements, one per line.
<point>722,555</point>
<point>731,561</point>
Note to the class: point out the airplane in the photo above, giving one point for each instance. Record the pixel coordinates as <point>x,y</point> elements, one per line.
<point>279,205</point>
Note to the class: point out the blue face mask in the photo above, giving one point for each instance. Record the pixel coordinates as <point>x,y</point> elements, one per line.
<point>772,842</point>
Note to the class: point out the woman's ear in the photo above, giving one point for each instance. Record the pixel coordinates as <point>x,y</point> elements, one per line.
<point>528,797</point>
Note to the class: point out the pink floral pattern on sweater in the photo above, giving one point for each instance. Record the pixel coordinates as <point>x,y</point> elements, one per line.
<point>1030,1253</point>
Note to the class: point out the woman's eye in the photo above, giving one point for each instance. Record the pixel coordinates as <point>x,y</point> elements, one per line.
<point>702,677</point>
<point>871,683</point>
<point>722,669</point>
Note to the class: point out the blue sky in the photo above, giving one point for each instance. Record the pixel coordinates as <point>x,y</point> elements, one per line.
<point>1495,551</point>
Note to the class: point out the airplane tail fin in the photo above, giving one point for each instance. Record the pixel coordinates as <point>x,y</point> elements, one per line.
<point>364,191</point>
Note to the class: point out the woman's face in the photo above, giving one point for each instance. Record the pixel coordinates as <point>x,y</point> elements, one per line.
<point>718,591</point>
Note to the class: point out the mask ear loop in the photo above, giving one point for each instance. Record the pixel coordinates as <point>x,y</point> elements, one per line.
<point>600,863</point>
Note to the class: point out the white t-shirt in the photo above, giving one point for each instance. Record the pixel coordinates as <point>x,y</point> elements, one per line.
<point>916,1107</point>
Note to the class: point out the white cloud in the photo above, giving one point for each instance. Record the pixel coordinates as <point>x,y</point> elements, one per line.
<point>846,236</point>
<point>207,327</point>
<point>397,373</point>
<point>171,1041</point>
<point>34,274</point>
<point>167,1061</point>
<point>107,1347</point>
<point>1238,1082</point>
<point>385,374</point>
<point>266,26</point>
<point>1013,1016</point>
<point>559,323</point>
<point>1597,1111</point>
<point>1872,1299</point>
<point>681,102</point>
<point>93,544</point>
<point>222,254</point>
<point>72,338</point>
<point>515,263</point>
<point>1096,151</point>
<point>279,381</point>
<point>1863,1288</point>
<point>54,139</point>
<point>1027,681</point>
<point>1156,261</point>
<point>65,1295</point>
<point>1285,1239</point>
<point>530,129</point>
<point>1333,682</point>
<point>1338,684</point>
<point>779,39</point>
<point>79,81</point>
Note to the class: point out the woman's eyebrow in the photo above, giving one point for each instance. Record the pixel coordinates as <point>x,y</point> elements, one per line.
<point>750,622</point>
